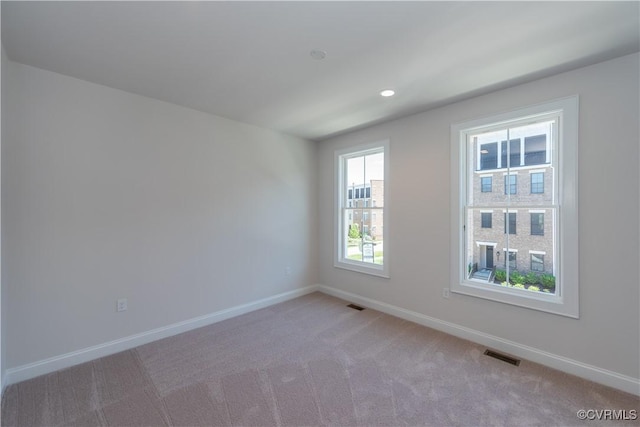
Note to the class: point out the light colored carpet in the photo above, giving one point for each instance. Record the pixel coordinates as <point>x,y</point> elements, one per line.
<point>308,362</point>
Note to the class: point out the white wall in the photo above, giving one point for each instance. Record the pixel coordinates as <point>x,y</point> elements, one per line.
<point>106,194</point>
<point>3,65</point>
<point>608,332</point>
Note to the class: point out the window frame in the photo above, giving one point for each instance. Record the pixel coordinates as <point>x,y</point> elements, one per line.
<point>340,188</point>
<point>565,301</point>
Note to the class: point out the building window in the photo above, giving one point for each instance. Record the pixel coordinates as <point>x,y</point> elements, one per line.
<point>510,154</point>
<point>486,219</point>
<point>544,135</point>
<point>510,226</point>
<point>535,150</point>
<point>512,260</point>
<point>360,244</point>
<point>537,262</point>
<point>489,156</point>
<point>510,184</point>
<point>485,184</point>
<point>537,183</point>
<point>537,224</point>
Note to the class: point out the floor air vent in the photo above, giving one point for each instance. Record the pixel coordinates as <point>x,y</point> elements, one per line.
<point>355,307</point>
<point>503,357</point>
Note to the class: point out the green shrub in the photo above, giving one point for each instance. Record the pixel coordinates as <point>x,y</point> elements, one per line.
<point>534,288</point>
<point>548,281</point>
<point>501,275</point>
<point>516,277</point>
<point>518,286</point>
<point>531,278</point>
<point>354,233</point>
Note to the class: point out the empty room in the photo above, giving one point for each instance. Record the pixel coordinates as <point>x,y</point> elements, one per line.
<point>235,213</point>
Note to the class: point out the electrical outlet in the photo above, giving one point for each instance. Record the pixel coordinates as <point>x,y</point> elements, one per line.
<point>445,292</point>
<point>121,304</point>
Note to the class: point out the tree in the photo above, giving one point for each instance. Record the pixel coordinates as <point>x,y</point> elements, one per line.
<point>354,233</point>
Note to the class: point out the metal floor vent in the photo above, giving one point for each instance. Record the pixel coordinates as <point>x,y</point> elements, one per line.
<point>503,357</point>
<point>355,307</point>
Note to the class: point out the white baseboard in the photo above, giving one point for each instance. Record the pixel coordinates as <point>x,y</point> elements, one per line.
<point>574,367</point>
<point>52,364</point>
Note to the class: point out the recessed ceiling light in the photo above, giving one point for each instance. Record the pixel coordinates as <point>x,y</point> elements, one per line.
<point>387,93</point>
<point>318,54</point>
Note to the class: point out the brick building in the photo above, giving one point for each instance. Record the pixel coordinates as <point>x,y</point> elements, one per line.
<point>516,179</point>
<point>367,199</point>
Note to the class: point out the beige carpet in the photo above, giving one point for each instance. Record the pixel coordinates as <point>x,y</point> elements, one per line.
<point>308,362</point>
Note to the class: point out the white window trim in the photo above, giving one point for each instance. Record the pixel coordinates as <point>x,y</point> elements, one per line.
<point>478,244</point>
<point>339,260</point>
<point>566,301</point>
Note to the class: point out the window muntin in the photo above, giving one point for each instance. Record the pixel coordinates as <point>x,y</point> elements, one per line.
<point>360,226</point>
<point>548,142</point>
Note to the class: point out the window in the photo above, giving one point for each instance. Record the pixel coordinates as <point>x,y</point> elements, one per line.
<point>537,262</point>
<point>510,226</point>
<point>537,183</point>
<point>512,159</point>
<point>485,184</point>
<point>361,237</point>
<point>486,219</point>
<point>512,260</point>
<point>510,184</point>
<point>537,224</point>
<point>543,137</point>
<point>535,150</point>
<point>489,156</point>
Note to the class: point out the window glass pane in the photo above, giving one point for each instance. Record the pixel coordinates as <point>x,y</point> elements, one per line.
<point>374,178</point>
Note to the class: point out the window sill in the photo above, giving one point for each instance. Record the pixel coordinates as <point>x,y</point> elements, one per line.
<point>365,268</point>
<point>548,303</point>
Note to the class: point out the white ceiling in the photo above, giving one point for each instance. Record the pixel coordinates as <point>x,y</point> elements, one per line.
<point>250,61</point>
